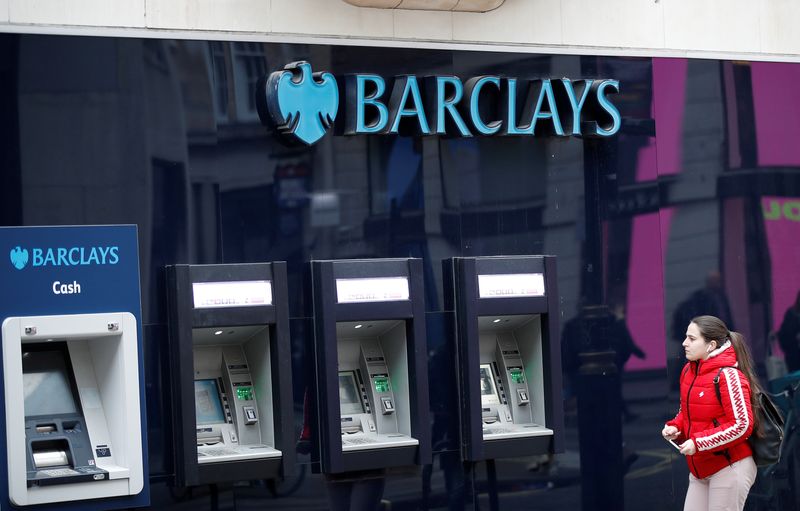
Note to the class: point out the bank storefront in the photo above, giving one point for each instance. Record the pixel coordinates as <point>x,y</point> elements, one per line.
<point>663,188</point>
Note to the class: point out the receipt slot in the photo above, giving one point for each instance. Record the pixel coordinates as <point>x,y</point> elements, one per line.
<point>74,422</point>
<point>229,337</point>
<point>508,357</point>
<point>371,356</point>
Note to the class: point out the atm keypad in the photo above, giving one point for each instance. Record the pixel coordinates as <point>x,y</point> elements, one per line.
<point>58,472</point>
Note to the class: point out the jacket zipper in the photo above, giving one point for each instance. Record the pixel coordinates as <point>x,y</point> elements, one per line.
<point>689,414</point>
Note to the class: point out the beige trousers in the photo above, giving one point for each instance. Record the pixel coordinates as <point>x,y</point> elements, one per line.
<point>724,491</point>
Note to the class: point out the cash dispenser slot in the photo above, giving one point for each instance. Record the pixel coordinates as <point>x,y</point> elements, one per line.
<point>50,453</point>
<point>229,333</point>
<point>371,364</point>
<point>508,356</point>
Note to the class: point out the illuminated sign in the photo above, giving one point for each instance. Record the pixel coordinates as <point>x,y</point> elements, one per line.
<point>511,285</point>
<point>245,293</point>
<point>64,256</point>
<point>303,105</point>
<point>383,289</point>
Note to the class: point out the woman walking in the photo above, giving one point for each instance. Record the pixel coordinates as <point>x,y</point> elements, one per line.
<point>711,430</point>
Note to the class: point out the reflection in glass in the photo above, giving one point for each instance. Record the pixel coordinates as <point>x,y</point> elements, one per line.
<point>46,384</point>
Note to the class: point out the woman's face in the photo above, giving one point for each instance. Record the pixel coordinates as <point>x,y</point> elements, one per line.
<point>695,345</point>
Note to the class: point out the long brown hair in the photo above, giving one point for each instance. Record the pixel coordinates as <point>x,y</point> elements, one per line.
<point>714,329</point>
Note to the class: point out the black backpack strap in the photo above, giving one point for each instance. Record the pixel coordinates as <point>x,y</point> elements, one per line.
<point>719,398</point>
<point>716,382</point>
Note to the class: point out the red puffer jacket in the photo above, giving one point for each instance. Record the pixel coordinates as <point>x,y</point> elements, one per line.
<point>719,431</point>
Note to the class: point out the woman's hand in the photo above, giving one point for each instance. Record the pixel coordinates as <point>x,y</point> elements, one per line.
<point>670,432</point>
<point>688,448</point>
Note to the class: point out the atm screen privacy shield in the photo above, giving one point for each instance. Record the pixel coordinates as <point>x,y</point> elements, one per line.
<point>46,383</point>
<point>207,404</point>
<point>349,400</point>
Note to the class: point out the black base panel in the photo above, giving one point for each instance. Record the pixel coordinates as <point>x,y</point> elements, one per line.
<point>516,447</point>
<point>232,471</point>
<point>378,458</point>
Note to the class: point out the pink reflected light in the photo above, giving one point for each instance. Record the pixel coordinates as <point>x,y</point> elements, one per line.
<point>645,298</point>
<point>777,118</point>
<point>669,103</point>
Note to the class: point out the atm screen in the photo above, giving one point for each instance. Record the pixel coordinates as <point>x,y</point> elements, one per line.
<point>349,400</point>
<point>207,403</point>
<point>46,383</point>
<point>489,395</point>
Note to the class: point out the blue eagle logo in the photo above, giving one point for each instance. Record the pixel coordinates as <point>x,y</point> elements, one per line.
<point>19,257</point>
<point>300,103</point>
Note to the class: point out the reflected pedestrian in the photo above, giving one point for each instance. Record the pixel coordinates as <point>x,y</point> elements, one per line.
<point>789,336</point>
<point>709,300</point>
<point>712,431</point>
<point>624,346</point>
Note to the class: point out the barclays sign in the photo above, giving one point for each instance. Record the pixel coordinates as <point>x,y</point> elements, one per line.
<point>64,256</point>
<point>303,105</point>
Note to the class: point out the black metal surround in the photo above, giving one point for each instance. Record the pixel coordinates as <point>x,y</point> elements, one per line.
<point>462,277</point>
<point>327,312</point>
<point>183,318</point>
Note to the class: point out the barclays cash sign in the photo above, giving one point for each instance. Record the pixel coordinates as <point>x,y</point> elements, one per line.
<point>63,256</point>
<point>303,105</point>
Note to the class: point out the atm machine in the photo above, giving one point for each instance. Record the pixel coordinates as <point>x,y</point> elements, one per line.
<point>74,431</point>
<point>229,340</point>
<point>508,355</point>
<point>372,372</point>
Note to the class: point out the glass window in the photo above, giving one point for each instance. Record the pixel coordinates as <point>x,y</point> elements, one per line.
<point>219,79</point>
<point>249,65</point>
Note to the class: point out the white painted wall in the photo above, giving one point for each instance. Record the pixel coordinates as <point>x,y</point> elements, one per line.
<point>752,29</point>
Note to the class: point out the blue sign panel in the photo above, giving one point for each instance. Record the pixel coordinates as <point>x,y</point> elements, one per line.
<point>72,270</point>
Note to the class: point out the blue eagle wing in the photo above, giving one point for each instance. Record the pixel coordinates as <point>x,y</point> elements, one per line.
<point>330,94</point>
<point>24,257</point>
<point>290,98</point>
